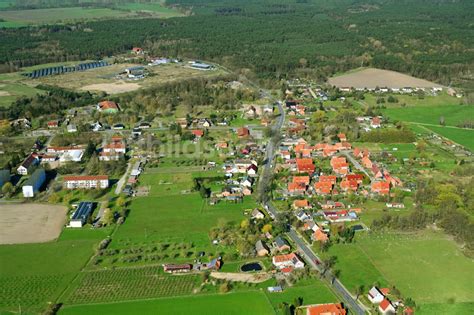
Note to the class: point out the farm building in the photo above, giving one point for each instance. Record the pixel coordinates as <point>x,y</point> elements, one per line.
<point>82,214</point>
<point>4,177</point>
<point>201,66</point>
<point>34,183</point>
<point>176,268</point>
<point>261,248</point>
<point>86,182</point>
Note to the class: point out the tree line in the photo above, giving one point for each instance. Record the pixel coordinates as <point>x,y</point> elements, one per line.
<point>273,41</point>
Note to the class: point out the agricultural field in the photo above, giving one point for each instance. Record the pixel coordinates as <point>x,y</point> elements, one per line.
<point>128,284</point>
<point>32,223</point>
<point>17,18</point>
<point>420,265</point>
<point>249,303</point>
<point>371,78</point>
<point>12,86</point>
<point>30,285</point>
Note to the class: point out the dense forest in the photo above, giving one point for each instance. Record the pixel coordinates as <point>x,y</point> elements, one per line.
<point>275,39</point>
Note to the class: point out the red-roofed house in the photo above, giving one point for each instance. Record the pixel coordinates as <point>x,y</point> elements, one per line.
<point>301,204</point>
<point>349,185</point>
<point>305,165</point>
<point>381,188</point>
<point>323,188</point>
<point>326,309</point>
<point>342,137</point>
<point>243,132</point>
<point>301,180</point>
<point>198,133</point>
<point>108,107</point>
<point>53,124</point>
<point>320,236</point>
<point>366,162</point>
<point>287,261</point>
<point>386,307</point>
<point>359,178</point>
<point>296,189</point>
<point>137,51</point>
<point>328,178</point>
<point>375,122</point>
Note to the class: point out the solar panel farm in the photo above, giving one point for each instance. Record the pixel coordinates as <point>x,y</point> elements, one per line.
<point>92,76</point>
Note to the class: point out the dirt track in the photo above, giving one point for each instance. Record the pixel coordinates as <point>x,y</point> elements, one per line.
<point>372,78</point>
<point>30,223</point>
<point>242,277</point>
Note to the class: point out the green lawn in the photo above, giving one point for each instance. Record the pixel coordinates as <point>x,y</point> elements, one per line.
<point>422,266</point>
<point>183,218</point>
<point>246,303</point>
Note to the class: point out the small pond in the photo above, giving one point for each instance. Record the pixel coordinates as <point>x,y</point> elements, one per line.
<point>254,266</point>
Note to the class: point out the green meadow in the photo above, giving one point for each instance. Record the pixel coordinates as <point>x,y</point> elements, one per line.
<point>423,114</point>
<point>422,266</point>
<point>423,118</point>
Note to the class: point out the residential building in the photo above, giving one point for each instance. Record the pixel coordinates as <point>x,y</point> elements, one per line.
<point>281,244</point>
<point>287,261</point>
<point>86,182</point>
<point>326,309</point>
<point>28,164</point>
<point>34,183</point>
<point>305,165</point>
<point>386,307</point>
<point>108,107</point>
<point>257,214</point>
<point>381,187</point>
<point>375,296</point>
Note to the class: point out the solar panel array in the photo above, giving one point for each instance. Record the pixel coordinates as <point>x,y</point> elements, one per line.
<point>65,69</point>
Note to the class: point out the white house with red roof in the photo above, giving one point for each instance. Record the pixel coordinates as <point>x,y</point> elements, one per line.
<point>386,307</point>
<point>287,261</point>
